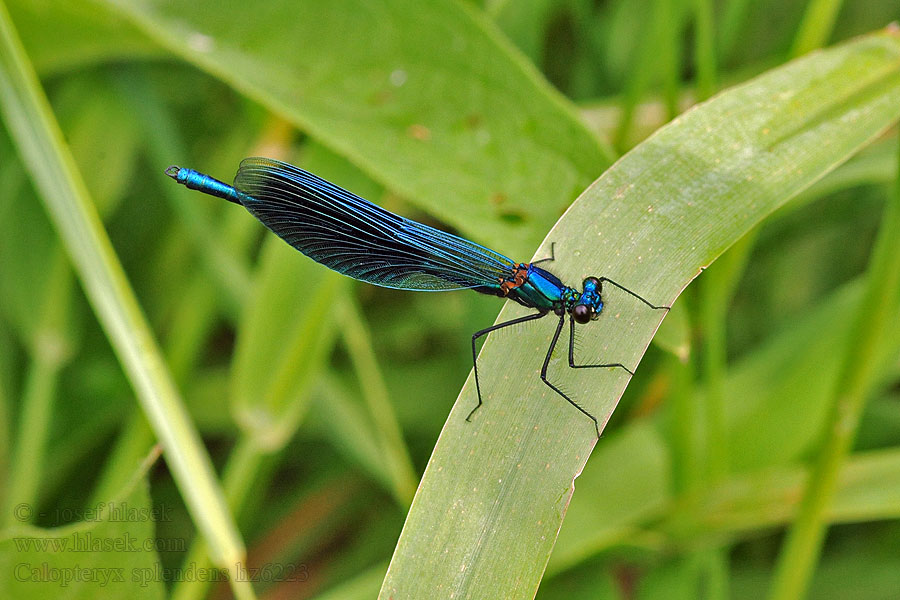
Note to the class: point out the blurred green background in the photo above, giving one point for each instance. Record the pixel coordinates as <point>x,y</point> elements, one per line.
<point>322,398</point>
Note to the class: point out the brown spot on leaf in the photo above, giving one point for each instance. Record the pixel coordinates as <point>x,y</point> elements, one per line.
<point>419,132</point>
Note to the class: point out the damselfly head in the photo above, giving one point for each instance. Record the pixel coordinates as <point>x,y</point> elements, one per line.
<point>590,304</point>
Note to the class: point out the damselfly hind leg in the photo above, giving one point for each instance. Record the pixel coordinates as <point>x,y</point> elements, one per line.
<point>562,319</point>
<point>486,331</point>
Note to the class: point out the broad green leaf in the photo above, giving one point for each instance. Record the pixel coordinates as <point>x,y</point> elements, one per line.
<point>493,497</point>
<point>109,554</point>
<point>66,34</point>
<point>426,97</point>
<point>791,365</point>
<point>868,489</point>
<point>877,164</point>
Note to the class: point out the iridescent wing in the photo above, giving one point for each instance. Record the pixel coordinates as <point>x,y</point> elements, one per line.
<point>359,239</point>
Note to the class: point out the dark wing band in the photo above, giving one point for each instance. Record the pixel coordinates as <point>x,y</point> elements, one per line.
<point>359,239</point>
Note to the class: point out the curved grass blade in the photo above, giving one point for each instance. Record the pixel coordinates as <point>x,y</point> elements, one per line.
<point>493,497</point>
<point>27,114</point>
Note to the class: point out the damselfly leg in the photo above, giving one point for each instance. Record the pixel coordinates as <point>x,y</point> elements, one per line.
<point>551,258</point>
<point>627,291</point>
<point>562,319</point>
<point>572,354</point>
<point>486,331</point>
<point>552,347</point>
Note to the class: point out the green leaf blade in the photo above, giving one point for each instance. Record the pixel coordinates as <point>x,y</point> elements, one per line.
<point>491,502</point>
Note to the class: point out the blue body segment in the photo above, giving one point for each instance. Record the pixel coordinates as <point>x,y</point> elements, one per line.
<point>194,180</point>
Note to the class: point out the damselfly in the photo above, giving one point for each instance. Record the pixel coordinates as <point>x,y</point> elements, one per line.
<point>361,240</point>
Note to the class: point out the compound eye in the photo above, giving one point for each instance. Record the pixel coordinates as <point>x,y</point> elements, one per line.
<point>581,313</point>
<point>591,282</point>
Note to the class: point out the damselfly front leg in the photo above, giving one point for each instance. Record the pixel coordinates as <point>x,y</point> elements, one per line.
<point>551,258</point>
